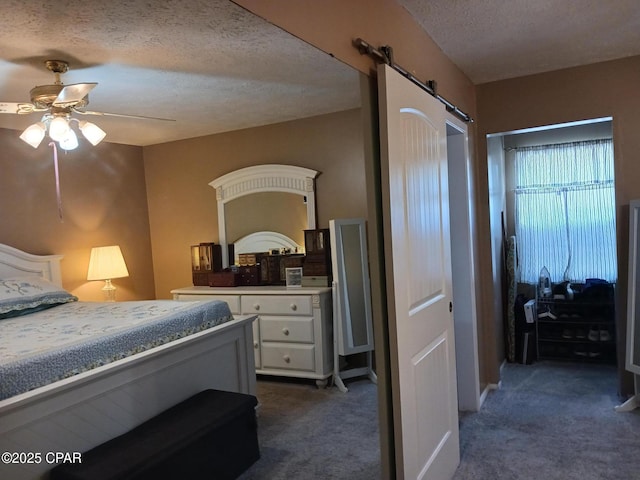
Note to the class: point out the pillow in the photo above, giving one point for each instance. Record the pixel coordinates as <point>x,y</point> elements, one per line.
<point>23,295</point>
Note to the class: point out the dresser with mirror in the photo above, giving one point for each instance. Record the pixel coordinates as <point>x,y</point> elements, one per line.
<point>268,208</point>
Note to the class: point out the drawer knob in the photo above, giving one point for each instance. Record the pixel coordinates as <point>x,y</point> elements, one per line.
<point>287,359</point>
<point>285,331</point>
<point>256,306</point>
<point>294,307</point>
<point>255,345</point>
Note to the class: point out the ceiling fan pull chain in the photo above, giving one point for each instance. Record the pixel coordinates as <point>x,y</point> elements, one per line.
<point>57,173</point>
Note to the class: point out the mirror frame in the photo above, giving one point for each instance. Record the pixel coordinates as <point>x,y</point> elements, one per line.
<point>263,178</point>
<point>352,288</point>
<point>633,302</point>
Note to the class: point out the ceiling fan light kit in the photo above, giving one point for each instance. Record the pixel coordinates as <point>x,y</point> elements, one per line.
<point>59,101</point>
<point>60,131</point>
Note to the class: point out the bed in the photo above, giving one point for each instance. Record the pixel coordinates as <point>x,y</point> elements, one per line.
<point>167,351</point>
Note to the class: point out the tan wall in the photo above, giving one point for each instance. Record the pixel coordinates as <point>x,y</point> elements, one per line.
<point>104,202</point>
<point>600,90</point>
<point>182,205</point>
<point>493,265</point>
<point>332,25</point>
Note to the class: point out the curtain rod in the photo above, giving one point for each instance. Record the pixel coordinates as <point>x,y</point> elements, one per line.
<point>560,144</point>
<point>385,55</point>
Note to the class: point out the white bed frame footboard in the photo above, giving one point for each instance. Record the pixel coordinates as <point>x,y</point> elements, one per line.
<point>83,411</point>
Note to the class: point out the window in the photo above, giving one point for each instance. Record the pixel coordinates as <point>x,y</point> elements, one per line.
<point>565,211</point>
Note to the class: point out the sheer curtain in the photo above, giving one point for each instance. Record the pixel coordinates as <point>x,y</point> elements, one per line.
<point>565,211</point>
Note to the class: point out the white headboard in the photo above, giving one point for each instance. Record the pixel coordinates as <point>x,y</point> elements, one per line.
<point>14,263</point>
<point>264,242</point>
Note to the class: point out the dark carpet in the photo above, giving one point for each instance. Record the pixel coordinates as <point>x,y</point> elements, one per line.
<point>551,421</point>
<point>310,433</point>
<point>548,421</point>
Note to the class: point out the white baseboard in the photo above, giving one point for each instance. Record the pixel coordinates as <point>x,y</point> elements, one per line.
<point>492,386</point>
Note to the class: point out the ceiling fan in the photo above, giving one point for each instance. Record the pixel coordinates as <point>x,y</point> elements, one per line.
<point>58,102</point>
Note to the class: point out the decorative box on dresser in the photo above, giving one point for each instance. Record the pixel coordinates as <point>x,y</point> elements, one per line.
<point>293,334</point>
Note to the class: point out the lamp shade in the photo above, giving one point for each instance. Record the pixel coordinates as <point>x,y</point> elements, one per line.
<point>70,141</point>
<point>106,263</point>
<point>58,128</point>
<point>34,134</point>
<point>91,132</point>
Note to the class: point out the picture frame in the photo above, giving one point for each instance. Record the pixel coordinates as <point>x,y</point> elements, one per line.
<point>293,277</point>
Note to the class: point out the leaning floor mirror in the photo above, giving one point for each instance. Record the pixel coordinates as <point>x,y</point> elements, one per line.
<point>632,356</point>
<point>353,324</point>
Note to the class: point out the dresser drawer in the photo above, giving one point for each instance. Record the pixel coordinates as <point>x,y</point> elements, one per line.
<point>287,329</point>
<point>277,304</point>
<point>288,356</point>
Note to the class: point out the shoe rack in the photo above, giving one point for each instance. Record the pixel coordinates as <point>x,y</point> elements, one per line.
<point>580,329</point>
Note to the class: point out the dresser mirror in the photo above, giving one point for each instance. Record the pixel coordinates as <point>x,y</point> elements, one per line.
<point>281,212</point>
<point>265,207</point>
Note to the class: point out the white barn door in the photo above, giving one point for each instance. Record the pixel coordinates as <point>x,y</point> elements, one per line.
<point>418,272</point>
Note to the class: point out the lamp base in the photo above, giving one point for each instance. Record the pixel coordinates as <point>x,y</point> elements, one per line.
<point>109,291</point>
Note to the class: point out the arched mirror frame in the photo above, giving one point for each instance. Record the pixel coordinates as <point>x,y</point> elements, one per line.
<point>263,178</point>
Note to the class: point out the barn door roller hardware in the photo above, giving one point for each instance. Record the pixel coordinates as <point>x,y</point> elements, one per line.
<point>385,55</point>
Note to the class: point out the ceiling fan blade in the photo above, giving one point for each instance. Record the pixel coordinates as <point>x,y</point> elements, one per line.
<point>17,108</point>
<point>122,115</point>
<point>72,94</point>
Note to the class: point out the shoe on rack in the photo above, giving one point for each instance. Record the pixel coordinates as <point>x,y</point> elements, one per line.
<point>593,354</point>
<point>594,335</point>
<point>566,333</point>
<point>581,334</point>
<point>605,336</point>
<point>547,314</point>
<point>580,353</point>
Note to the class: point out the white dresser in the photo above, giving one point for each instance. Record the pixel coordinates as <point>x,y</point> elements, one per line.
<point>293,334</point>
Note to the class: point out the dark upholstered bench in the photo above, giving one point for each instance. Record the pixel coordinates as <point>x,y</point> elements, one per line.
<point>211,435</point>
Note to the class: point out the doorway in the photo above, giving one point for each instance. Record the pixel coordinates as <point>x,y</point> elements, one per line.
<point>511,227</point>
<point>462,264</point>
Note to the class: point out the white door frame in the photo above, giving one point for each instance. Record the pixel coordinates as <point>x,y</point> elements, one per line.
<point>462,263</point>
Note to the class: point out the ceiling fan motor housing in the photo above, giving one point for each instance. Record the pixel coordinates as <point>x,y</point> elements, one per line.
<point>43,96</point>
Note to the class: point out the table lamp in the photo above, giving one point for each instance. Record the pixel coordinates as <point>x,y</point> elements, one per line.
<point>107,263</point>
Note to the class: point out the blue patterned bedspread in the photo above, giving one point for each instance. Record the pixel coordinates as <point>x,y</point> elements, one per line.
<point>43,347</point>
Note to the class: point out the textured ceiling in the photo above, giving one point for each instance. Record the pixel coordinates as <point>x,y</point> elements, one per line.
<point>495,39</point>
<point>214,67</point>
<point>208,64</point>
